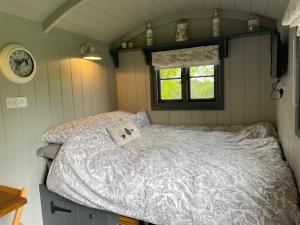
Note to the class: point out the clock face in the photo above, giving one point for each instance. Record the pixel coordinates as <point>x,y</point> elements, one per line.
<point>21,63</point>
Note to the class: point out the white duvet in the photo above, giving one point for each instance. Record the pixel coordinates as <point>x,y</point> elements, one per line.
<point>180,176</point>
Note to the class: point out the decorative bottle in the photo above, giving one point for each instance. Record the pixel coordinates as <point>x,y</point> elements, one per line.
<point>216,23</point>
<point>149,34</point>
<point>124,43</point>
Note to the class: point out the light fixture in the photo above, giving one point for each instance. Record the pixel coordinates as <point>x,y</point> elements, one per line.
<point>88,51</point>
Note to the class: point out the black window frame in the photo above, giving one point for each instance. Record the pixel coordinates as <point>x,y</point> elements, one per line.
<point>186,103</point>
<point>217,104</point>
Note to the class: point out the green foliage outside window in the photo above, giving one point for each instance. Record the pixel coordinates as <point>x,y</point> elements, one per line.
<point>171,89</point>
<point>202,88</point>
<point>201,83</point>
<point>170,73</point>
<point>196,71</point>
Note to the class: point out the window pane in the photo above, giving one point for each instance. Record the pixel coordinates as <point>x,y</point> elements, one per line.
<point>196,71</point>
<point>202,88</point>
<point>170,73</point>
<point>170,89</point>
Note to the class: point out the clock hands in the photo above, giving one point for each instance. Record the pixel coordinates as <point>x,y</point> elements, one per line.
<point>19,62</point>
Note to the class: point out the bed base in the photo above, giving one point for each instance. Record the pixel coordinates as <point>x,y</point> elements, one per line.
<point>57,210</point>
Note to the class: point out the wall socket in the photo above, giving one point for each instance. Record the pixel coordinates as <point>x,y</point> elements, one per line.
<point>16,102</point>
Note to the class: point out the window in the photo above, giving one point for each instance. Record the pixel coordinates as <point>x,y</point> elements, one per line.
<point>187,76</point>
<point>197,87</point>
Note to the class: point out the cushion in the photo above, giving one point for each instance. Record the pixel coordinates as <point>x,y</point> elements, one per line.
<point>124,133</point>
<point>258,130</point>
<point>60,133</point>
<point>49,151</point>
<point>140,119</point>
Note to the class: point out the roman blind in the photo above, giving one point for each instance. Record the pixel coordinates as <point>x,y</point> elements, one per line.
<point>187,57</point>
<point>292,15</point>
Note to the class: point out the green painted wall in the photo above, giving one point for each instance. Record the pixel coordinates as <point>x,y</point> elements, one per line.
<point>286,110</point>
<point>65,87</point>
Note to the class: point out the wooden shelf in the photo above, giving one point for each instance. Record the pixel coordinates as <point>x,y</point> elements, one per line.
<point>115,52</point>
<point>10,201</point>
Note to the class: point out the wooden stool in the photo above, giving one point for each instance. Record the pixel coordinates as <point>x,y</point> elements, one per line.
<point>12,199</point>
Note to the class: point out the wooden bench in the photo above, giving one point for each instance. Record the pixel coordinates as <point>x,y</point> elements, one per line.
<point>12,199</point>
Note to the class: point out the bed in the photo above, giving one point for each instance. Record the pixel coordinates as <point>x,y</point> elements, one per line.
<point>178,175</point>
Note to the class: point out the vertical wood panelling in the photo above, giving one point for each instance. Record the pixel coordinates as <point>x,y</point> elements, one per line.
<point>131,82</point>
<point>30,131</point>
<point>245,69</point>
<point>95,88</point>
<point>121,83</point>
<point>56,94</point>
<point>56,101</point>
<point>252,79</point>
<point>140,81</point>
<point>267,108</point>
<point>77,87</point>
<point>224,116</point>
<point>67,89</point>
<point>86,90</point>
<point>246,76</point>
<point>101,87</point>
<point>237,68</point>
<point>286,115</point>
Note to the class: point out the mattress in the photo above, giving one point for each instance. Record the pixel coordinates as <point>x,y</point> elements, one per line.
<point>181,176</point>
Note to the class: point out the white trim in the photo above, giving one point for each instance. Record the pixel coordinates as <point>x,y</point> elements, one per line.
<point>59,13</point>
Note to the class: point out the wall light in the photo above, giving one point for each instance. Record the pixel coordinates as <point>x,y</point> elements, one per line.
<point>88,51</point>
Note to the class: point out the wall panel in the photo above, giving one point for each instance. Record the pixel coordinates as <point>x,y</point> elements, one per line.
<point>65,87</point>
<point>247,87</point>
<point>286,114</point>
<point>246,76</point>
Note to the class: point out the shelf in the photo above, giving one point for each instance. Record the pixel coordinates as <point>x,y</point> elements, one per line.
<point>191,43</point>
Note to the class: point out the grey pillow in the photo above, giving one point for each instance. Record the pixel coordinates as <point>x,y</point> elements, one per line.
<point>49,151</point>
<point>140,119</point>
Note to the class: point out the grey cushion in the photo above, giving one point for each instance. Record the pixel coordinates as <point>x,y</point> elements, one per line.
<point>49,151</point>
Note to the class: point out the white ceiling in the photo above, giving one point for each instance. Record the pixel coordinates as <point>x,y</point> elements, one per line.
<point>108,20</point>
<point>36,10</point>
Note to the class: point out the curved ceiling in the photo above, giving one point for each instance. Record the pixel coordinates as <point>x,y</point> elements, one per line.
<point>108,20</point>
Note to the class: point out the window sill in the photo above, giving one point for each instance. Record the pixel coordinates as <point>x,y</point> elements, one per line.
<point>190,106</point>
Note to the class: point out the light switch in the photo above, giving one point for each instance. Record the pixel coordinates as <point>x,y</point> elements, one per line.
<point>16,102</point>
<point>22,102</point>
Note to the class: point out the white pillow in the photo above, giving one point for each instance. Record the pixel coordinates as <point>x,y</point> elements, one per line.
<point>60,133</point>
<point>124,133</point>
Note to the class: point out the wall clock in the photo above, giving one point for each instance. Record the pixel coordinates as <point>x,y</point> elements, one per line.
<point>17,63</point>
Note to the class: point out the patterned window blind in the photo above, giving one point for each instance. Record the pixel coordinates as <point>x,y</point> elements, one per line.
<point>188,57</point>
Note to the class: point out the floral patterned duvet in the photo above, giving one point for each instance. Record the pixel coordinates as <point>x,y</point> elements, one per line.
<point>181,176</point>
